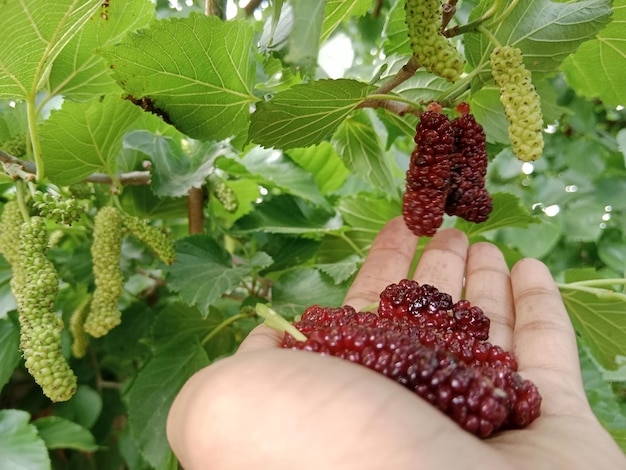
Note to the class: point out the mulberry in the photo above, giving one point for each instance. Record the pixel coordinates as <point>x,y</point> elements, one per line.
<point>16,146</point>
<point>62,211</point>
<point>431,49</point>
<point>155,238</point>
<point>224,194</point>
<point>41,328</point>
<point>434,347</point>
<point>522,105</point>
<point>106,251</point>
<point>446,173</point>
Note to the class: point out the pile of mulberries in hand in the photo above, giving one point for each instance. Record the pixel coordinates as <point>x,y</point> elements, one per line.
<point>446,172</point>
<point>434,347</point>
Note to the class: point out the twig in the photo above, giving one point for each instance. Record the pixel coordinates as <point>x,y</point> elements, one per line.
<point>389,104</point>
<point>195,210</point>
<point>449,10</point>
<point>473,25</point>
<point>406,72</point>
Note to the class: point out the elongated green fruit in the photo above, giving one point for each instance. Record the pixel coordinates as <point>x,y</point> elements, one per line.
<point>62,211</point>
<point>106,251</point>
<point>431,49</point>
<point>152,236</point>
<point>40,327</point>
<point>10,225</point>
<point>522,104</point>
<point>77,328</point>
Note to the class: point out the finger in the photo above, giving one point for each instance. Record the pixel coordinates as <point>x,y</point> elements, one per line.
<point>261,337</point>
<point>442,263</point>
<point>544,341</point>
<point>488,286</point>
<point>388,262</point>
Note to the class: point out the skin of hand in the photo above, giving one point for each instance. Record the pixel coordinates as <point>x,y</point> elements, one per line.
<point>272,408</point>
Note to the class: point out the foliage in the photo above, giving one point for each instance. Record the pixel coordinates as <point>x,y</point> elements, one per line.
<point>272,169</point>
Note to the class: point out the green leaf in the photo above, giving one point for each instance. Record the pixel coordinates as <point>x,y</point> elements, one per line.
<point>286,214</point>
<point>305,114</point>
<point>35,32</point>
<point>20,446</point>
<point>610,189</point>
<point>599,317</point>
<point>535,26</point>
<point>60,433</point>
<point>545,236</point>
<point>596,69</point>
<point>304,39</point>
<point>582,220</point>
<point>300,288</point>
<point>612,250</point>
<point>323,163</point>
<point>203,270</point>
<point>340,271</point>
<point>9,350</point>
<point>79,73</point>
<point>153,391</point>
<point>83,408</point>
<point>278,171</point>
<point>395,32</point>
<point>362,152</point>
<point>338,11</point>
<point>83,138</point>
<point>508,211</point>
<point>174,173</point>
<point>142,202</point>
<point>196,72</point>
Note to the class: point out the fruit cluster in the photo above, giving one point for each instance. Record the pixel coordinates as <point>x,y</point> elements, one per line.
<point>434,347</point>
<point>431,49</point>
<point>40,327</point>
<point>152,236</point>
<point>446,173</point>
<point>62,211</point>
<point>104,314</point>
<point>522,105</point>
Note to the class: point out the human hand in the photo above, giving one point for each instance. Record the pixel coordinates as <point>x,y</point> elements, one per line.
<point>267,407</point>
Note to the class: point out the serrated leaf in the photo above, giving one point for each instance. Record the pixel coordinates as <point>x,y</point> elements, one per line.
<point>84,408</point>
<point>600,319</point>
<point>203,271</point>
<point>305,114</point>
<point>35,33</point>
<point>83,138</point>
<point>286,214</point>
<point>535,26</point>
<point>340,271</point>
<point>338,11</point>
<point>79,73</point>
<point>9,350</point>
<point>508,211</point>
<point>174,173</point>
<point>20,446</point>
<point>363,153</point>
<point>596,69</point>
<point>153,391</point>
<point>60,433</point>
<point>302,287</point>
<point>196,71</point>
<point>324,164</point>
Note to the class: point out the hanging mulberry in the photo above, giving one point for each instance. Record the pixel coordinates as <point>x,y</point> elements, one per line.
<point>62,211</point>
<point>106,251</point>
<point>522,105</point>
<point>154,237</point>
<point>431,49</point>
<point>77,328</point>
<point>41,328</point>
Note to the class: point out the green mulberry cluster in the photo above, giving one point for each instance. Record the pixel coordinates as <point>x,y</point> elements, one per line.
<point>77,328</point>
<point>81,190</point>
<point>16,146</point>
<point>62,211</point>
<point>155,238</point>
<point>41,328</point>
<point>225,195</point>
<point>522,105</point>
<point>431,49</point>
<point>106,251</point>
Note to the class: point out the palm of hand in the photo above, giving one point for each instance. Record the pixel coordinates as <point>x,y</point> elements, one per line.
<point>266,407</point>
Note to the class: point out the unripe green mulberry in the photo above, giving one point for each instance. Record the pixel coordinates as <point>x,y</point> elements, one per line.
<point>154,237</point>
<point>62,211</point>
<point>106,251</point>
<point>10,224</point>
<point>224,194</point>
<point>15,146</point>
<point>77,328</point>
<point>41,328</point>
<point>81,190</point>
<point>431,49</point>
<point>522,105</point>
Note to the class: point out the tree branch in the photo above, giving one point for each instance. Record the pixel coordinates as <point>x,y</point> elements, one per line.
<point>251,6</point>
<point>195,210</point>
